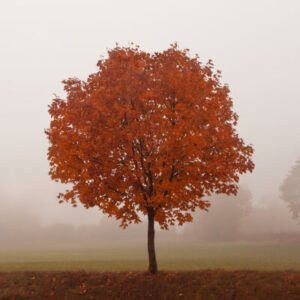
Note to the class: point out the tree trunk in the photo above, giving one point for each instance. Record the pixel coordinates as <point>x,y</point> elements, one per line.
<point>151,246</point>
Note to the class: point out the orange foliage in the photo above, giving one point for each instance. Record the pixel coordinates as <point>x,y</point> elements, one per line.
<point>146,131</point>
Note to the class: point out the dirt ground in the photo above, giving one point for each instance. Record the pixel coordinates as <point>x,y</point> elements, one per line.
<point>210,284</point>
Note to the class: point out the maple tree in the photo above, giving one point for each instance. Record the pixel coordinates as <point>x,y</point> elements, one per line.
<point>147,134</point>
<point>290,190</point>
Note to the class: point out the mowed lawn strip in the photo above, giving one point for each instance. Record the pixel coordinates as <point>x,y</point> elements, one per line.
<point>208,284</point>
<point>229,256</point>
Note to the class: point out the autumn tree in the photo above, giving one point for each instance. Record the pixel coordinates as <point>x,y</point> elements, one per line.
<point>290,190</point>
<point>147,134</point>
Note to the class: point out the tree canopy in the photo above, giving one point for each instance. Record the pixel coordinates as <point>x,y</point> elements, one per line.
<point>147,130</point>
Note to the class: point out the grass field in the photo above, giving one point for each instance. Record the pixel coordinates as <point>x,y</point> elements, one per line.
<point>171,257</point>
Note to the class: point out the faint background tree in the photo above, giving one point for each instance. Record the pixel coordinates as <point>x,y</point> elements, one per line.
<point>290,190</point>
<point>223,221</point>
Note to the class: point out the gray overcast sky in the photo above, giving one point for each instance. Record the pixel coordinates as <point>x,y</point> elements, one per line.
<point>256,45</point>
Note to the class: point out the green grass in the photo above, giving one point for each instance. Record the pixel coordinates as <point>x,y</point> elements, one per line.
<point>172,257</point>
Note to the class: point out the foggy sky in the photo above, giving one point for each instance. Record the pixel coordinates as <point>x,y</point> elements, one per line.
<point>256,45</point>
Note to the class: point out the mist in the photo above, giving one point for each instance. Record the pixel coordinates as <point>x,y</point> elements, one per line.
<point>229,219</point>
<point>255,44</point>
